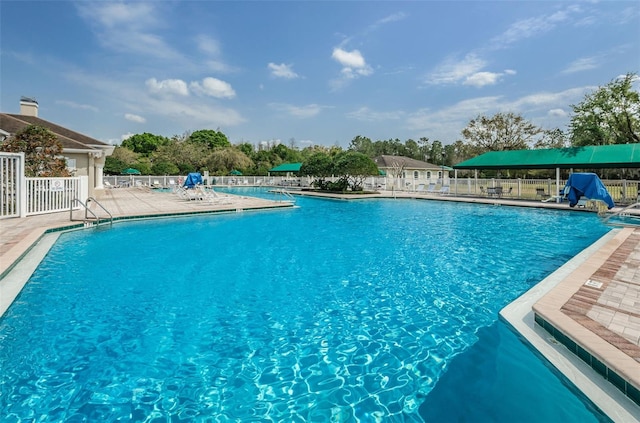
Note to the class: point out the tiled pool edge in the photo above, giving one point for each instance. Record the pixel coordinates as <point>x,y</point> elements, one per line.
<point>519,316</point>
<point>591,360</point>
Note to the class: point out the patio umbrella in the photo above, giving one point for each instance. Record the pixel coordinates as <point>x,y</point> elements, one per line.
<point>130,171</point>
<point>235,172</point>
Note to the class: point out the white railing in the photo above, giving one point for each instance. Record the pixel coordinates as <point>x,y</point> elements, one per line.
<point>51,195</point>
<point>622,191</point>
<point>12,201</point>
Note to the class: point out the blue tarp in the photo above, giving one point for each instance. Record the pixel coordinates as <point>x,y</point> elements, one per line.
<point>192,180</point>
<point>586,185</point>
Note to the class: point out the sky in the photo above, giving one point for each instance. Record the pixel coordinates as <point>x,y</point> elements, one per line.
<point>309,72</point>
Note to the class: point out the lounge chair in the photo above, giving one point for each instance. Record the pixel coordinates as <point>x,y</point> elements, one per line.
<point>431,188</point>
<point>211,197</point>
<point>420,188</point>
<point>444,190</point>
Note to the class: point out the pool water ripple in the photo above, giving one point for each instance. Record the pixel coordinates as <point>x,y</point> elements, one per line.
<point>334,311</point>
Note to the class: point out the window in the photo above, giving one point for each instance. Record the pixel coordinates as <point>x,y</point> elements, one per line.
<point>71,164</point>
<point>428,175</point>
<point>416,174</point>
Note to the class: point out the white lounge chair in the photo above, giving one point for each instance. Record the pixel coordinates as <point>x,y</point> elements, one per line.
<point>431,188</point>
<point>444,190</point>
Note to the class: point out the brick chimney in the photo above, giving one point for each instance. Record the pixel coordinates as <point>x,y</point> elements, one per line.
<point>28,106</point>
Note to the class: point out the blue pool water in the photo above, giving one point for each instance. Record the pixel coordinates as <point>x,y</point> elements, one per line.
<point>341,311</point>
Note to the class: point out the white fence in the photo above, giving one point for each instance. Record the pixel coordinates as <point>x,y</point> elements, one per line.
<point>50,195</point>
<point>21,196</point>
<point>622,191</point>
<point>12,182</point>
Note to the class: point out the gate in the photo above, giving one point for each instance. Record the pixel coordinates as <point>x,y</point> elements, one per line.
<point>13,197</point>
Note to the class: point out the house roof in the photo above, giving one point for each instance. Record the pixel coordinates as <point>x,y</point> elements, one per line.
<point>385,161</point>
<point>69,139</point>
<point>588,157</point>
<point>287,167</point>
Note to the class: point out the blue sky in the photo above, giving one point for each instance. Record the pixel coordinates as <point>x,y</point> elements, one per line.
<point>316,72</point>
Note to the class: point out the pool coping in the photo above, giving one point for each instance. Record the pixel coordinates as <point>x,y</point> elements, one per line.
<point>520,316</point>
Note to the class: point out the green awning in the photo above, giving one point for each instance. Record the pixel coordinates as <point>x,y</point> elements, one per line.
<point>382,172</point>
<point>589,157</point>
<point>287,167</point>
<point>235,173</point>
<point>130,171</point>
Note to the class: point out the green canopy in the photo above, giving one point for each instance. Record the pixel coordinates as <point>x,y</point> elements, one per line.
<point>235,172</point>
<point>382,172</point>
<point>287,167</point>
<point>588,157</point>
<point>130,171</point>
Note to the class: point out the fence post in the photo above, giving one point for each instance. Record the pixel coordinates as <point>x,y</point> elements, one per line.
<point>83,188</point>
<point>21,186</point>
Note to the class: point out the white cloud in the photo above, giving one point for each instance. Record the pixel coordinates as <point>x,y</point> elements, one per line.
<point>134,118</point>
<point>557,113</point>
<point>532,27</point>
<point>349,59</point>
<point>74,105</point>
<point>212,51</point>
<point>368,115</point>
<point>545,109</point>
<point>128,27</point>
<point>353,64</point>
<point>282,71</point>
<point>208,45</point>
<point>310,110</point>
<point>452,71</point>
<point>480,79</point>
<point>167,86</point>
<point>213,87</point>
<point>582,64</point>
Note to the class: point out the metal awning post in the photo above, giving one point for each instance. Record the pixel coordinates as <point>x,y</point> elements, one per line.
<point>559,197</point>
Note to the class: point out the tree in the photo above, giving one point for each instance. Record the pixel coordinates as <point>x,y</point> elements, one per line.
<point>144,143</point>
<point>610,115</point>
<point>210,138</point>
<point>436,155</point>
<point>424,149</point>
<point>119,160</point>
<point>164,168</point>
<point>41,149</point>
<point>362,145</point>
<point>188,157</point>
<point>354,167</point>
<point>318,165</point>
<point>552,138</point>
<point>224,160</point>
<point>503,131</point>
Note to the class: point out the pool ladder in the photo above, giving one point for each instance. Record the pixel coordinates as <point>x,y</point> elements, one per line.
<point>623,213</point>
<point>94,219</point>
<point>287,196</point>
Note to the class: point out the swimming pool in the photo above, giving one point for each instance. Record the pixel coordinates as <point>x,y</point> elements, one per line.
<point>335,311</point>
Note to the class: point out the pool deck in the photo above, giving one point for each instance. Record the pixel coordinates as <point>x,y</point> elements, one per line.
<point>594,299</point>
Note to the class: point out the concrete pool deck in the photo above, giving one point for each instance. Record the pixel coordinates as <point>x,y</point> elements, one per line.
<point>604,319</point>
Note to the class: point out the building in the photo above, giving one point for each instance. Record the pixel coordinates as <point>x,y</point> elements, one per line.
<point>413,171</point>
<point>85,156</point>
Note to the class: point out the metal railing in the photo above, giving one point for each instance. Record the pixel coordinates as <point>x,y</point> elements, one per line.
<point>87,210</point>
